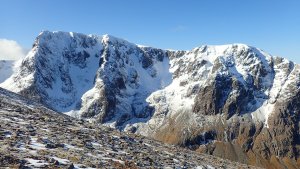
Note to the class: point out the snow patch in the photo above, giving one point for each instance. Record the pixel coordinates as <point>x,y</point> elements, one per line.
<point>36,163</point>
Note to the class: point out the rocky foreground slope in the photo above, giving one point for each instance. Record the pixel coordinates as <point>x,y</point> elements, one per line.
<point>32,136</point>
<point>232,101</point>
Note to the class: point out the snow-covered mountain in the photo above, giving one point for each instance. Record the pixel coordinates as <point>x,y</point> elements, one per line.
<point>6,69</point>
<point>234,94</point>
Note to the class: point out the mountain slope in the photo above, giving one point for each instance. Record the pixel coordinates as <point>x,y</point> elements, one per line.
<point>212,99</point>
<point>32,136</point>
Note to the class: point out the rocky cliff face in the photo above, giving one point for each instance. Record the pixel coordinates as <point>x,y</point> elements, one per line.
<point>213,99</point>
<point>99,77</point>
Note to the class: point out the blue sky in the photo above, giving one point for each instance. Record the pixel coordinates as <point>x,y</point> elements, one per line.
<point>272,25</point>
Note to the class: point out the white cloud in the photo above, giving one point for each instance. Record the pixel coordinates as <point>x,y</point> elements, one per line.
<point>11,50</point>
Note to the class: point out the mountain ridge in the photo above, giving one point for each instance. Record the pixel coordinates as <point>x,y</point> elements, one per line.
<point>231,94</point>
